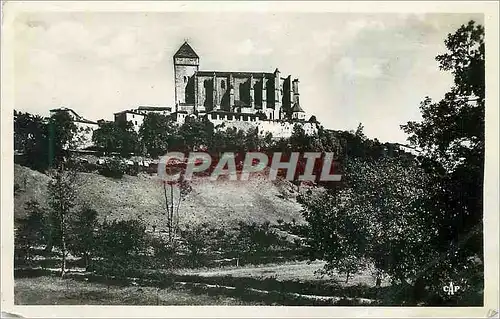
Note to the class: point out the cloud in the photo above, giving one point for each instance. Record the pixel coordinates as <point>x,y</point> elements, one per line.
<point>370,68</point>
<point>248,47</point>
<point>355,26</point>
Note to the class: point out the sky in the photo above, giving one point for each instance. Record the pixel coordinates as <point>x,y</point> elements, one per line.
<point>353,68</point>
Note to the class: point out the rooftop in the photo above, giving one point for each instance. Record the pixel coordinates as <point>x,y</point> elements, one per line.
<point>186,51</point>
<point>154,108</point>
<point>237,73</point>
<point>76,116</point>
<point>296,107</point>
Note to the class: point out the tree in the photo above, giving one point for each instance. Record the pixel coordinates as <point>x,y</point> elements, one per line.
<point>83,234</point>
<point>62,196</point>
<point>120,245</point>
<point>174,193</point>
<point>452,130</point>
<point>30,232</point>
<point>373,219</point>
<point>158,133</point>
<point>31,139</point>
<point>113,167</point>
<point>197,239</point>
<point>194,134</point>
<point>451,138</point>
<point>44,142</point>
<point>254,240</point>
<point>116,137</point>
<point>62,131</point>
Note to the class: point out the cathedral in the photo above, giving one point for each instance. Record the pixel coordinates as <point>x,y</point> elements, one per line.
<point>242,100</point>
<point>222,95</point>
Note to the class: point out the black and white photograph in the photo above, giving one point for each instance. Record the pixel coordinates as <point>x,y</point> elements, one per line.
<point>320,159</point>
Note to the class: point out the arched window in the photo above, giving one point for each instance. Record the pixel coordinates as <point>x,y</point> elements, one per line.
<point>223,84</point>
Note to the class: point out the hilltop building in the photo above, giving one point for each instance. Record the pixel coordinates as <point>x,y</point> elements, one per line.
<point>263,100</point>
<point>227,94</point>
<point>85,127</point>
<point>136,116</point>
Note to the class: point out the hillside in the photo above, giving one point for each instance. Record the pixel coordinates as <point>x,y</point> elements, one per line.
<point>142,197</point>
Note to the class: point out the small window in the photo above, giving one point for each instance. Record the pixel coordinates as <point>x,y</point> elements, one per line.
<point>133,115</point>
<point>223,84</point>
<point>229,116</point>
<point>245,118</point>
<point>214,116</point>
<point>135,122</point>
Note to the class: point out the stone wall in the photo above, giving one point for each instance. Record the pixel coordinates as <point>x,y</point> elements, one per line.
<point>279,129</point>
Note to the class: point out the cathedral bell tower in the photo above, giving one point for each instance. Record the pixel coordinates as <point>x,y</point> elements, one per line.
<point>186,63</point>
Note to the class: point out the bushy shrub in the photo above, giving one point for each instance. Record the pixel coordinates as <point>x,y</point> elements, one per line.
<point>114,168</point>
<point>196,240</point>
<point>165,253</point>
<point>120,247</point>
<point>133,170</point>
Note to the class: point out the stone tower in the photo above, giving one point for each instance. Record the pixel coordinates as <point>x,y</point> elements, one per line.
<point>186,63</point>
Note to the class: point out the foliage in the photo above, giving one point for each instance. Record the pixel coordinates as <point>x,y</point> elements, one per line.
<point>196,239</point>
<point>83,234</point>
<point>418,220</point>
<point>157,134</point>
<point>118,136</point>
<point>113,167</point>
<point>62,196</point>
<point>194,134</point>
<point>255,239</point>
<point>372,219</point>
<point>165,253</point>
<point>30,233</point>
<point>451,137</point>
<point>120,245</point>
<point>62,131</point>
<point>43,142</point>
<point>31,139</point>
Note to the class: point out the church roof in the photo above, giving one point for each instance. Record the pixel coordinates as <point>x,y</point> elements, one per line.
<point>296,107</point>
<point>234,73</point>
<point>154,108</point>
<point>185,51</point>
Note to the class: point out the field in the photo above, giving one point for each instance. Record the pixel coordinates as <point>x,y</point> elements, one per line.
<point>281,284</point>
<point>56,291</point>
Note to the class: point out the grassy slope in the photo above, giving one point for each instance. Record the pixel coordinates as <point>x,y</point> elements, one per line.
<point>218,203</point>
<point>33,186</point>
